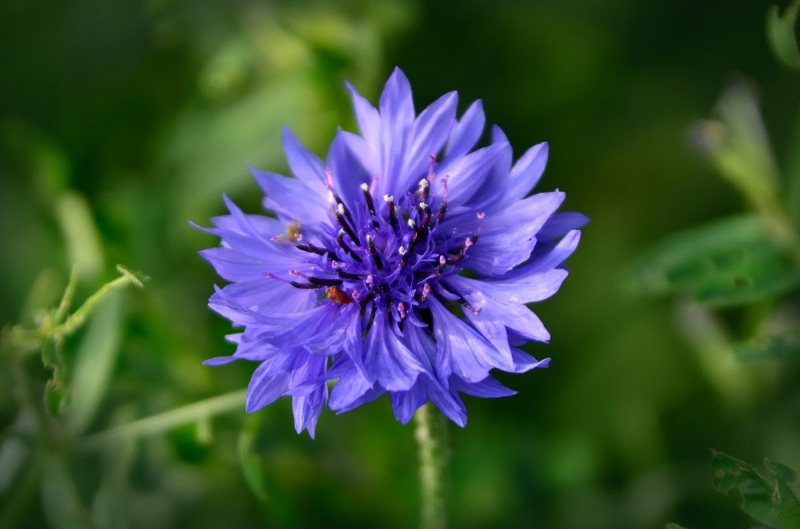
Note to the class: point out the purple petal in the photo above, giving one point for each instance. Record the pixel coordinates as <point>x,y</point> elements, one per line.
<point>488,388</point>
<point>387,360</point>
<point>304,164</point>
<point>430,132</point>
<point>524,362</point>
<point>466,174</point>
<point>350,387</point>
<point>405,403</point>
<point>292,200</point>
<point>397,119</point>
<point>526,173</point>
<point>470,355</point>
<point>467,132</point>
<point>559,224</point>
<point>369,121</point>
<point>265,387</point>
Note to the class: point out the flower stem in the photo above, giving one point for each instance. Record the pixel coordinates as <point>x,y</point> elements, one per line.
<point>165,421</point>
<point>431,435</point>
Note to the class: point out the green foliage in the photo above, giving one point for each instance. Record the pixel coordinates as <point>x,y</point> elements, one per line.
<point>769,499</point>
<point>727,262</point>
<point>781,33</point>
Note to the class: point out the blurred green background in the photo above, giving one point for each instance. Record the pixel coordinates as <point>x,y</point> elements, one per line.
<point>120,121</point>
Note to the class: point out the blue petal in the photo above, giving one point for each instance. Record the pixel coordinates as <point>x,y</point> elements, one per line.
<point>525,174</point>
<point>430,133</point>
<point>486,198</point>
<point>348,172</point>
<point>387,360</point>
<point>470,356</point>
<point>527,289</point>
<point>554,257</point>
<point>508,237</point>
<point>266,385</point>
<point>467,132</point>
<point>488,388</point>
<point>307,410</point>
<point>405,403</point>
<point>292,200</point>
<point>448,402</point>
<point>304,164</point>
<point>466,174</point>
<point>363,151</point>
<point>559,224</point>
<point>350,388</point>
<point>524,362</point>
<point>369,121</point>
<point>397,119</point>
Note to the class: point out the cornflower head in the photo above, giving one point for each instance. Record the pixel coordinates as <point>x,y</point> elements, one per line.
<point>401,264</point>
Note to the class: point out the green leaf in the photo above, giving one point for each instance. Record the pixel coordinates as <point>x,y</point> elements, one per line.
<point>60,502</point>
<point>729,474</point>
<point>731,261</point>
<point>94,362</point>
<point>777,346</point>
<point>780,31</point>
<point>83,241</point>
<point>250,460</point>
<point>786,501</point>
<point>674,526</point>
<point>737,145</point>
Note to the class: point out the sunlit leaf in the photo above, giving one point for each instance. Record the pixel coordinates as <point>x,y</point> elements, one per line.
<point>94,362</point>
<point>781,33</point>
<point>730,474</point>
<point>781,345</point>
<point>83,242</point>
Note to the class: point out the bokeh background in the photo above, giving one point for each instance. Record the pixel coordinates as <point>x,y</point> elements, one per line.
<point>120,121</point>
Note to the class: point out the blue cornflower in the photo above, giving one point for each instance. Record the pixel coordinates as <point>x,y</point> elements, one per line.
<point>377,252</point>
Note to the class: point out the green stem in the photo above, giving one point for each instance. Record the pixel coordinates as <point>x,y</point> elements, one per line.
<point>431,438</point>
<point>165,421</point>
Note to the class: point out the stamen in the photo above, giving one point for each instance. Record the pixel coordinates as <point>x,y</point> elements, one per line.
<point>425,215</point>
<point>311,249</point>
<point>426,289</point>
<point>431,172</point>
<point>374,253</point>
<point>424,187</point>
<point>368,199</point>
<point>345,275</point>
<point>389,199</point>
<point>463,303</point>
<point>463,251</point>
<point>401,310</point>
<point>443,205</point>
<point>403,256</point>
<point>324,282</point>
<point>303,286</point>
<point>341,212</point>
<point>442,261</point>
<point>414,235</point>
<point>340,240</point>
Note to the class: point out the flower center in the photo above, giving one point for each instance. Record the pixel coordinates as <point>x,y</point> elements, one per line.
<point>392,252</point>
